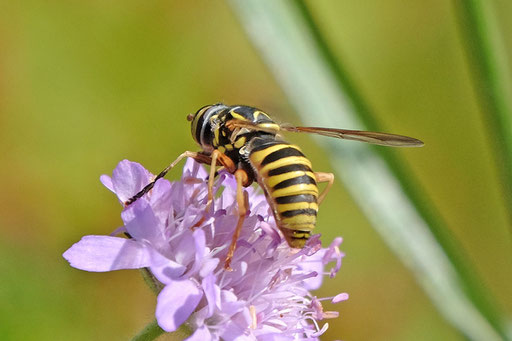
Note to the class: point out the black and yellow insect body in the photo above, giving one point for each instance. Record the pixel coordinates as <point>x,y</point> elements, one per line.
<point>211,131</point>
<point>289,184</point>
<point>246,142</point>
<point>280,168</point>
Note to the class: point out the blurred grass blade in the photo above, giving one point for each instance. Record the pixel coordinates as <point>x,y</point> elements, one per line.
<point>292,48</point>
<point>487,59</point>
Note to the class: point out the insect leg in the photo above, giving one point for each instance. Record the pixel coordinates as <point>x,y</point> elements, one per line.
<point>241,199</point>
<point>324,177</point>
<point>226,162</point>
<point>202,158</point>
<point>211,177</point>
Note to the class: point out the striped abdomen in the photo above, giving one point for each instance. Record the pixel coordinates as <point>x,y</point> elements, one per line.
<point>285,175</point>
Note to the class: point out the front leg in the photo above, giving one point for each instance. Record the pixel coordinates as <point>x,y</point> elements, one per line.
<point>227,163</point>
<point>202,158</point>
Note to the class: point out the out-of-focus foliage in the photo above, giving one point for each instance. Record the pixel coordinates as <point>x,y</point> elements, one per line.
<point>293,46</point>
<point>86,84</point>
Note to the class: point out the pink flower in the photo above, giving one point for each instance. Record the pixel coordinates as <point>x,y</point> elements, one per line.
<point>266,296</point>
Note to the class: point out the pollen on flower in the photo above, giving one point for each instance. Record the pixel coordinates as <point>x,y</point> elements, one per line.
<point>267,295</point>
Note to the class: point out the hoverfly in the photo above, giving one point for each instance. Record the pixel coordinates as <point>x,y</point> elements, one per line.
<point>244,140</point>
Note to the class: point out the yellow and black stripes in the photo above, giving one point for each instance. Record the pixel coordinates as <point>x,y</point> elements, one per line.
<point>280,168</point>
<point>286,176</point>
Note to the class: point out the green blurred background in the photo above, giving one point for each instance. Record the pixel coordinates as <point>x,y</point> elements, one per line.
<point>84,85</point>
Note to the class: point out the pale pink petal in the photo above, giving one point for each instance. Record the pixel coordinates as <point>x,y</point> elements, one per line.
<point>160,199</point>
<point>184,245</point>
<point>230,303</point>
<point>128,179</point>
<point>212,293</point>
<point>176,302</point>
<point>234,332</point>
<point>340,297</point>
<point>107,182</point>
<point>144,225</point>
<point>209,265</point>
<point>275,337</point>
<point>105,253</point>
<point>313,264</point>
<point>200,246</point>
<point>201,334</point>
<point>194,169</point>
<point>166,270</point>
<point>183,249</point>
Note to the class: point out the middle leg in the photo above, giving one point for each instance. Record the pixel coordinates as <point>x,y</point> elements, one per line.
<point>241,199</point>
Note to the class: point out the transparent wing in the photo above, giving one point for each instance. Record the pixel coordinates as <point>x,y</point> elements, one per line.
<point>382,139</point>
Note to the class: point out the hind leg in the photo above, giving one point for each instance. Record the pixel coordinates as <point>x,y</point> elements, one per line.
<point>324,177</point>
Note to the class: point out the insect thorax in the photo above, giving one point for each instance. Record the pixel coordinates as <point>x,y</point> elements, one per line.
<point>215,134</point>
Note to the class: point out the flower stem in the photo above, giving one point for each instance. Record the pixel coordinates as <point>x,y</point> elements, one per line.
<point>151,281</point>
<point>153,331</point>
<point>150,332</point>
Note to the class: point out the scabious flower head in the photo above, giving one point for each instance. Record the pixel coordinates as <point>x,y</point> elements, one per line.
<point>266,296</point>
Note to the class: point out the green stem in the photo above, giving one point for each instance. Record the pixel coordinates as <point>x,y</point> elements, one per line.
<point>489,70</point>
<point>150,332</point>
<point>151,281</point>
<point>153,330</point>
<point>472,285</point>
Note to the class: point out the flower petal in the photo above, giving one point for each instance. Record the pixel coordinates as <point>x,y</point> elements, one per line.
<point>234,332</point>
<point>176,302</point>
<point>200,243</point>
<point>200,246</point>
<point>313,264</point>
<point>141,224</point>
<point>208,266</point>
<point>160,199</point>
<point>165,270</point>
<point>194,169</point>
<point>230,303</point>
<point>107,182</point>
<point>183,248</point>
<point>275,337</point>
<point>201,334</point>
<point>183,244</point>
<point>212,293</point>
<point>105,253</point>
<point>340,297</point>
<point>129,178</point>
